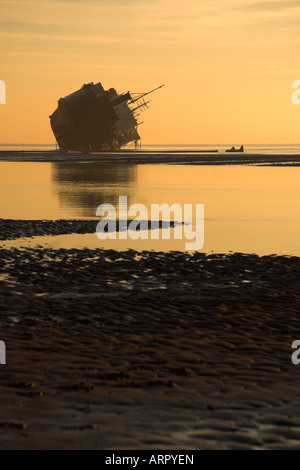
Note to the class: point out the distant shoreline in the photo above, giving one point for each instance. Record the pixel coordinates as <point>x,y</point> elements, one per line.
<point>178,157</point>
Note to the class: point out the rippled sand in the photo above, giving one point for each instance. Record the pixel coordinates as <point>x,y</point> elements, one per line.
<point>115,350</point>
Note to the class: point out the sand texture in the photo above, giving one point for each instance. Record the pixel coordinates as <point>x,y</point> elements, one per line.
<point>152,157</point>
<point>127,350</point>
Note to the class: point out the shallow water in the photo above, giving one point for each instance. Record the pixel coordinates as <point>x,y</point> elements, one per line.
<point>247,209</point>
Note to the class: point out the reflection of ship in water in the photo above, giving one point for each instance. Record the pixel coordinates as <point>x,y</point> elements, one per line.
<point>82,187</point>
<point>93,119</point>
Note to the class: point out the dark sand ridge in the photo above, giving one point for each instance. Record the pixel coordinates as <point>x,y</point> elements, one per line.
<point>148,350</point>
<point>11,229</point>
<point>144,157</point>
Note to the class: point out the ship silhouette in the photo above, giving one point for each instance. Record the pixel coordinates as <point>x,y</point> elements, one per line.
<point>92,119</point>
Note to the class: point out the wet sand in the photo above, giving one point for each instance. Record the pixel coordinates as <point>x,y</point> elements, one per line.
<point>128,350</point>
<point>149,157</point>
<point>12,229</point>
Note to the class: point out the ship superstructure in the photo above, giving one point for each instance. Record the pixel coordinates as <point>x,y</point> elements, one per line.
<point>92,119</point>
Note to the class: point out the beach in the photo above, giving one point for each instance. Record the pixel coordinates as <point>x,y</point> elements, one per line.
<point>178,157</point>
<point>145,350</point>
<point>149,228</point>
<point>157,348</point>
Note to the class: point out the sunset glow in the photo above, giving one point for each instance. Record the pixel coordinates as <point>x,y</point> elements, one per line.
<point>228,66</point>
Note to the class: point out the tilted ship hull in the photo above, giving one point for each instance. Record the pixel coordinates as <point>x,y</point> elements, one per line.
<point>92,119</point>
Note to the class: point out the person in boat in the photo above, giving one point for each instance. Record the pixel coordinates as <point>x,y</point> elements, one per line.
<point>232,149</point>
<point>242,148</point>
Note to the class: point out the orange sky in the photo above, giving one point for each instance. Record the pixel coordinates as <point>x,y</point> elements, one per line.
<point>228,66</point>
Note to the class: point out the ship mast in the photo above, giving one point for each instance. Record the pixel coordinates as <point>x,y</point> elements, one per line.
<point>141,95</point>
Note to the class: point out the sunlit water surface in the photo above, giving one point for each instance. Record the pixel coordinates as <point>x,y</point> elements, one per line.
<point>247,209</point>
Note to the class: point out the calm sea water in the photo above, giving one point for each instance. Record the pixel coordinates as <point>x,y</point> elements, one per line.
<point>247,209</point>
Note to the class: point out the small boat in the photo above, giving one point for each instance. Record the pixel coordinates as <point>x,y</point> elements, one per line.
<point>233,149</point>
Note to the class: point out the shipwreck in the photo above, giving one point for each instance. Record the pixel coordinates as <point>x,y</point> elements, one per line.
<point>93,119</point>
